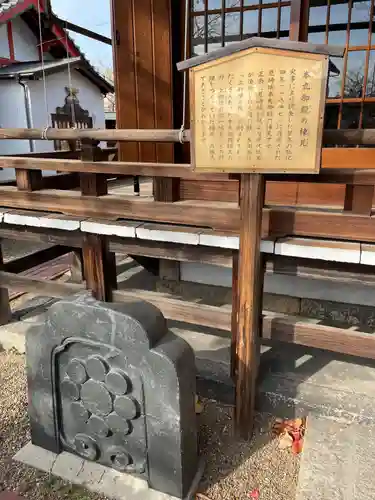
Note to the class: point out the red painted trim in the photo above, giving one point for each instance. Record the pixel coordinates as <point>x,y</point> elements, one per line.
<point>60,33</point>
<point>6,60</point>
<point>10,40</point>
<point>17,10</point>
<point>56,30</point>
<point>68,44</point>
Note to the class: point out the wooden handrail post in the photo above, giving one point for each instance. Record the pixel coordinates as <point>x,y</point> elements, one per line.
<point>99,263</point>
<point>92,184</point>
<point>5,311</point>
<point>250,294</point>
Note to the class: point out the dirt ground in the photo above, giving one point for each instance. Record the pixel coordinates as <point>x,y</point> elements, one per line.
<point>233,467</point>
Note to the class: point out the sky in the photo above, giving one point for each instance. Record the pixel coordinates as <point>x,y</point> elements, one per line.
<point>93,15</point>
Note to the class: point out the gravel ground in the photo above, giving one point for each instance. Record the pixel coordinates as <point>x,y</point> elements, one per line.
<point>14,476</point>
<point>233,467</point>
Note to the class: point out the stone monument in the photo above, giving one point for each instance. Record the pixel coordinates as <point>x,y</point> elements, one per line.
<point>109,383</point>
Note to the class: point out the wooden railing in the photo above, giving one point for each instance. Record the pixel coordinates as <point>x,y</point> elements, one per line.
<point>340,166</point>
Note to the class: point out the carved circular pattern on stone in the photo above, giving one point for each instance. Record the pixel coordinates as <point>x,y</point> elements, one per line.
<point>69,390</point>
<point>120,459</point>
<point>76,371</point>
<point>96,398</point>
<point>97,368</point>
<point>79,412</point>
<point>118,382</point>
<point>98,427</point>
<point>126,407</point>
<point>119,424</point>
<point>86,446</point>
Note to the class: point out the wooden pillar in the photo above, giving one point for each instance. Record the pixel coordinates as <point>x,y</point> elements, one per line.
<point>168,190</point>
<point>98,262</point>
<point>234,325</point>
<point>250,291</point>
<point>299,20</point>
<point>5,311</point>
<point>358,199</point>
<point>99,267</point>
<point>147,46</point>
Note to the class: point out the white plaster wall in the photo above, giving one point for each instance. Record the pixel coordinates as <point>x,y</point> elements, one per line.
<point>4,44</point>
<point>12,115</point>
<point>25,42</point>
<point>89,97</point>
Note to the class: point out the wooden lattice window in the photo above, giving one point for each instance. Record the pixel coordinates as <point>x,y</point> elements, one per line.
<point>71,115</point>
<point>351,90</point>
<point>215,23</point>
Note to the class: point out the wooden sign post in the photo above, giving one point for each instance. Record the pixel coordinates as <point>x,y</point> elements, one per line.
<point>256,107</point>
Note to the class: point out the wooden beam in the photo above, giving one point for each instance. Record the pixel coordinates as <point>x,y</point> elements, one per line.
<point>179,310</point>
<point>276,221</point>
<point>331,225</point>
<point>300,331</point>
<point>280,328</point>
<point>99,267</point>
<point>35,259</point>
<point>250,292</point>
<point>339,165</point>
<point>119,168</point>
<point>118,135</point>
<point>341,273</point>
<point>36,286</point>
<point>68,154</point>
<point>42,235</point>
<point>113,207</point>
<point>172,251</point>
<point>82,31</point>
<point>338,137</point>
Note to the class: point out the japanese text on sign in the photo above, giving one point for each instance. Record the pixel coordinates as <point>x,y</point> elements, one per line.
<point>259,112</point>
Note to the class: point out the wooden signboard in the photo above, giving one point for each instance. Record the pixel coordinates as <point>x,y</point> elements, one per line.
<point>256,107</point>
<point>259,110</point>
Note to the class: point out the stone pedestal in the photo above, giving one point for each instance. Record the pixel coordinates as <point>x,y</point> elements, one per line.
<point>108,383</point>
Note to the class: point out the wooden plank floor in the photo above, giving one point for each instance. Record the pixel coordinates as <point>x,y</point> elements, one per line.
<point>50,270</point>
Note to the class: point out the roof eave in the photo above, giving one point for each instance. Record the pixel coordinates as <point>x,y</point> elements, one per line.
<point>259,42</point>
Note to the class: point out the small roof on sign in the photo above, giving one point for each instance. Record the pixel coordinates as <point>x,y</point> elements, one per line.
<point>269,43</point>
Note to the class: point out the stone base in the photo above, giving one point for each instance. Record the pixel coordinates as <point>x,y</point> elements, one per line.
<point>94,477</point>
